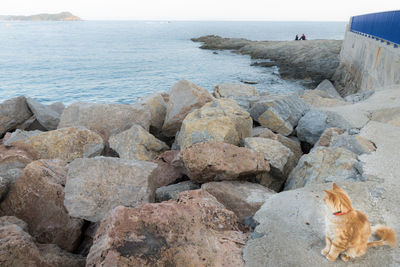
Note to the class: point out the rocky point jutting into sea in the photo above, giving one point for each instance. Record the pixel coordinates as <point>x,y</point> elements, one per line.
<point>190,178</point>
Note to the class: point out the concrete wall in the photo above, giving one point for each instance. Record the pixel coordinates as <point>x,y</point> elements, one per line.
<point>366,64</point>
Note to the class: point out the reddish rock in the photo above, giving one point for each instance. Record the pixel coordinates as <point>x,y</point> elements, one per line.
<point>195,230</point>
<point>206,162</point>
<point>18,248</point>
<point>37,197</point>
<point>166,173</point>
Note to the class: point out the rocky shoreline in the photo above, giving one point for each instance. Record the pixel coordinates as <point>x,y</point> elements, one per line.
<point>311,60</point>
<point>189,178</point>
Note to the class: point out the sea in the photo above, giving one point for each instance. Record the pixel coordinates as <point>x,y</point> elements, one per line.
<point>119,61</point>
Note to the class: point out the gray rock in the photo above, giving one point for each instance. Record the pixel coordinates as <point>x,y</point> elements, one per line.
<point>9,220</point>
<point>241,197</point>
<point>4,186</point>
<point>19,135</point>
<point>324,165</point>
<point>46,116</point>
<point>314,122</point>
<point>280,158</point>
<point>355,143</point>
<point>57,107</point>
<point>136,143</point>
<point>12,161</point>
<point>172,191</point>
<point>96,186</point>
<point>158,110</point>
<point>279,113</point>
<point>328,136</point>
<point>327,87</point>
<point>221,120</point>
<point>291,230</point>
<point>360,96</point>
<point>12,113</point>
<point>184,97</point>
<point>105,119</point>
<point>244,95</point>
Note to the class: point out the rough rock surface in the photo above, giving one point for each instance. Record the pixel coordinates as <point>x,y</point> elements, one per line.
<point>323,165</point>
<point>13,160</point>
<point>243,94</point>
<point>388,115</point>
<point>279,113</point>
<point>66,143</point>
<point>280,158</point>
<point>37,197</point>
<point>355,143</point>
<point>207,162</point>
<point>219,121</point>
<point>12,113</point>
<point>318,99</point>
<point>136,143</point>
<point>158,110</point>
<point>166,172</point>
<point>5,183</point>
<point>18,248</point>
<point>291,230</point>
<point>9,220</point>
<point>327,87</point>
<point>19,135</point>
<point>106,119</point>
<point>184,97</point>
<point>95,186</point>
<point>313,60</point>
<point>196,230</point>
<point>292,143</point>
<point>241,197</point>
<point>314,123</point>
<point>328,136</point>
<point>172,191</point>
<point>47,117</point>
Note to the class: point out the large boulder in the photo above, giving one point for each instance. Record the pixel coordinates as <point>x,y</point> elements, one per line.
<point>106,119</point>
<point>316,99</point>
<point>37,197</point>
<point>18,248</point>
<point>13,160</point>
<point>279,113</point>
<point>19,135</point>
<point>172,191</point>
<point>97,185</point>
<point>243,94</point>
<point>323,165</point>
<point>12,113</point>
<point>184,97</point>
<point>327,87</point>
<point>66,143</point>
<point>292,143</point>
<point>195,230</point>
<point>314,122</point>
<point>219,121</point>
<point>281,159</point>
<point>46,116</point>
<point>328,136</point>
<point>166,172</point>
<point>137,143</point>
<point>355,143</point>
<point>241,197</point>
<point>291,230</point>
<point>207,162</point>
<point>158,110</point>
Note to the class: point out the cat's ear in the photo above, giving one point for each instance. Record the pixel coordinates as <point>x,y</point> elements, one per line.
<point>335,187</point>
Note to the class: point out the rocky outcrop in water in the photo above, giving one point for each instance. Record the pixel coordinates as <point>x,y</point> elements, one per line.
<point>311,60</point>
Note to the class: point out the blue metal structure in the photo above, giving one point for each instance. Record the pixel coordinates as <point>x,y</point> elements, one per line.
<point>384,26</point>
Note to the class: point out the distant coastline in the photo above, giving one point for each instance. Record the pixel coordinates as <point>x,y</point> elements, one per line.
<point>63,16</point>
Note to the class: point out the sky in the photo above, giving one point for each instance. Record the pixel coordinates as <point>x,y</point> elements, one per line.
<point>277,10</point>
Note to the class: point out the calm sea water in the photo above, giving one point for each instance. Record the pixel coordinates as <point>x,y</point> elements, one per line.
<point>117,61</point>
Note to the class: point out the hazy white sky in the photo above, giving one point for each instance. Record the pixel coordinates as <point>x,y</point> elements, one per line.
<point>300,10</point>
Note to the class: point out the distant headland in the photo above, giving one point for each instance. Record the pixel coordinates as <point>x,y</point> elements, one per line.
<point>63,16</point>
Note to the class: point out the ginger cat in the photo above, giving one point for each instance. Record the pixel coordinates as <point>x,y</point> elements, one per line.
<point>348,230</point>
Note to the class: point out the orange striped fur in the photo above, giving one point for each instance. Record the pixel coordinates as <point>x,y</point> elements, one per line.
<point>347,234</point>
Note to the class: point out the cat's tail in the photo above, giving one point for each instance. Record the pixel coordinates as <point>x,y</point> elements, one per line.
<point>386,235</point>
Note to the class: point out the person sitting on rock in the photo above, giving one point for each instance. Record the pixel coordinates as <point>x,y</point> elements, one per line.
<point>303,37</point>
<point>297,38</point>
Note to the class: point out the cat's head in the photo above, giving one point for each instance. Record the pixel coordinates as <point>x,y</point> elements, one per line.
<point>337,201</point>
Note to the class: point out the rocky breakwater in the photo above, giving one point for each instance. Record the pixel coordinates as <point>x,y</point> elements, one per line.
<point>311,60</point>
<point>237,178</point>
